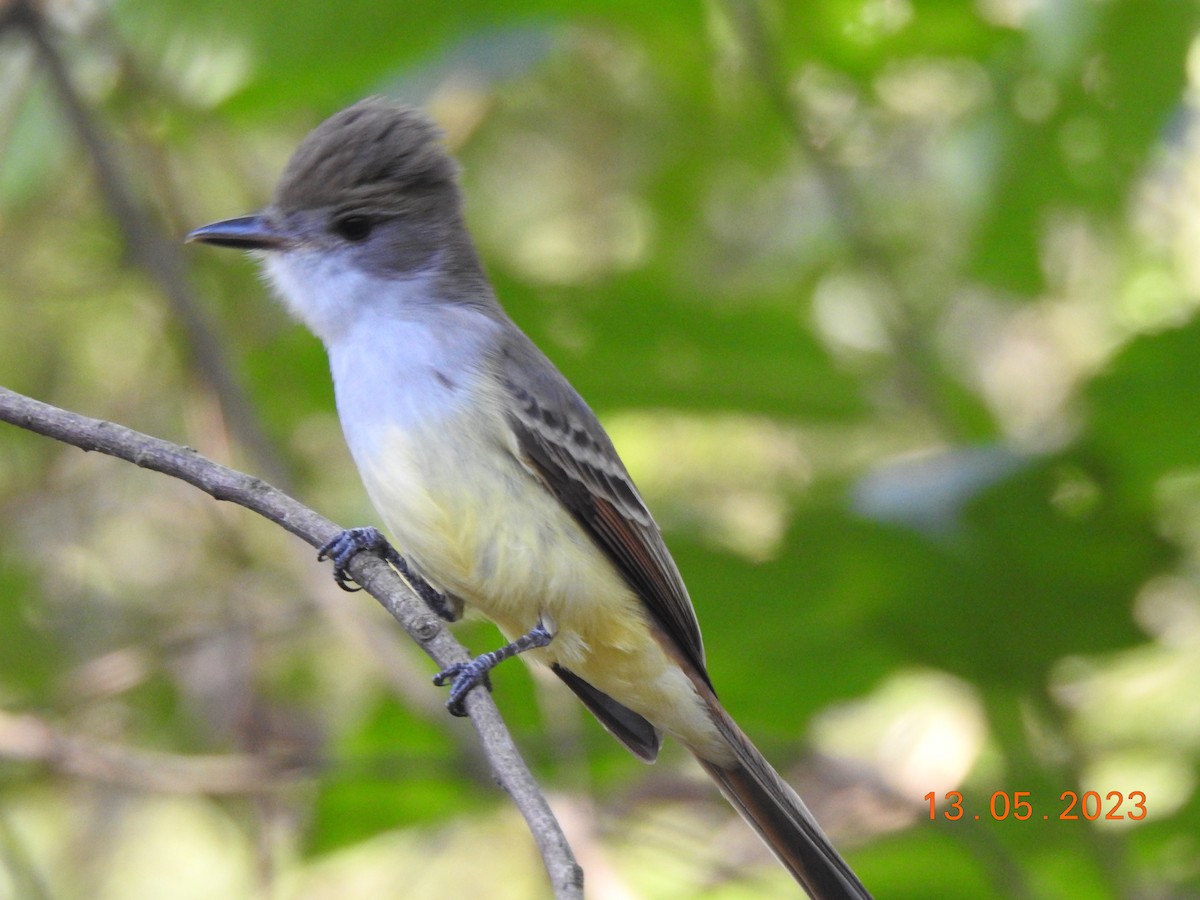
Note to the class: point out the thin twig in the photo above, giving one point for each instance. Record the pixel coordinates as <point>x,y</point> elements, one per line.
<point>402,668</point>
<point>148,247</point>
<point>844,205</point>
<point>912,351</point>
<point>369,571</point>
<point>161,259</point>
<point>28,738</point>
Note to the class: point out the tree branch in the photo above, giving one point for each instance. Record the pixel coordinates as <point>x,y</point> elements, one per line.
<point>149,249</point>
<point>371,572</point>
<point>906,328</point>
<point>26,737</point>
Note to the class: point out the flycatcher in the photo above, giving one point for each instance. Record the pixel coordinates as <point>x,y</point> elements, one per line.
<point>498,484</point>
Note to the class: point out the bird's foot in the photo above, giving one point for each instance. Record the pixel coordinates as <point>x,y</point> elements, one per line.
<point>468,675</point>
<point>352,541</point>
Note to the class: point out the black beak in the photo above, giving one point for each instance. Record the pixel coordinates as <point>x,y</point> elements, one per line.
<point>243,233</point>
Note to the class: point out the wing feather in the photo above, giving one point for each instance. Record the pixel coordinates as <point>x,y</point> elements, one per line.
<point>563,443</point>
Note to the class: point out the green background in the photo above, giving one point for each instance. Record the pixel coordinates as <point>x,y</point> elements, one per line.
<point>890,307</point>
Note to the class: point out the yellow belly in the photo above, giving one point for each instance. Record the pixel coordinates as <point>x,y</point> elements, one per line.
<point>476,523</point>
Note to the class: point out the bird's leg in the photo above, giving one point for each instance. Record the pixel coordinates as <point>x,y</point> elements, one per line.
<point>355,540</point>
<point>471,674</point>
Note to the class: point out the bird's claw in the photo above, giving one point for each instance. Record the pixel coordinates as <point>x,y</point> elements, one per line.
<point>465,676</point>
<point>345,547</point>
<point>352,541</point>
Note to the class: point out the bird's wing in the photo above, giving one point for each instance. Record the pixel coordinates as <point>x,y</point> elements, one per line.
<point>562,442</point>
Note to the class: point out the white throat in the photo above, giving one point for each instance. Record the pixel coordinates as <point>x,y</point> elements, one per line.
<point>329,293</point>
<point>401,356</point>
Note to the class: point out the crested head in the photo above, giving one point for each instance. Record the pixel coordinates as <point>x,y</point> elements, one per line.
<point>366,224</point>
<point>366,156</point>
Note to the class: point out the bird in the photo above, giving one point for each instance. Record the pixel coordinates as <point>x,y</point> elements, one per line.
<point>501,491</point>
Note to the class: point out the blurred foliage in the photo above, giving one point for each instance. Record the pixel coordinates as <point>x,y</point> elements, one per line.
<point>890,306</point>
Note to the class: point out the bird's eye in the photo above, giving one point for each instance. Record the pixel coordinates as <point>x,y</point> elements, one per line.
<point>353,228</point>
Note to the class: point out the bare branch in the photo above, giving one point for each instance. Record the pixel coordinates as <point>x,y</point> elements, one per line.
<point>160,258</point>
<point>26,737</point>
<point>846,206</point>
<point>375,576</point>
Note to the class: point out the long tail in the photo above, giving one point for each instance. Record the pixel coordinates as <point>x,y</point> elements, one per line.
<point>781,819</point>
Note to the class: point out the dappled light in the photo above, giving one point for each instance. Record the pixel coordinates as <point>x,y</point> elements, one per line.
<point>890,309</point>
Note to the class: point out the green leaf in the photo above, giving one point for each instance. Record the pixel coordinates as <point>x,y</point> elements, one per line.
<point>391,771</point>
<point>1112,106</point>
<point>1140,426</point>
<point>644,346</point>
